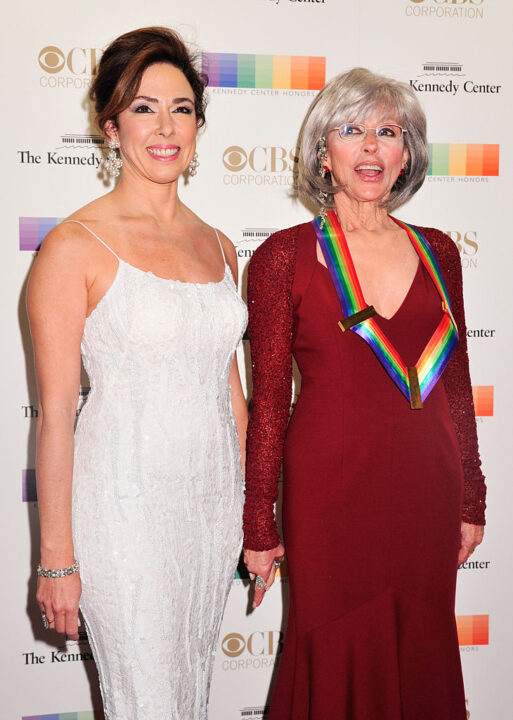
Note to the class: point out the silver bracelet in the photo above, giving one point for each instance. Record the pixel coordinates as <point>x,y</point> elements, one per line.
<point>71,570</point>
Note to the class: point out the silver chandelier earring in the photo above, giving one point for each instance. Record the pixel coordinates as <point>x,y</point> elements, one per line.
<point>323,170</point>
<point>323,212</point>
<point>113,162</point>
<point>194,165</point>
<point>322,155</point>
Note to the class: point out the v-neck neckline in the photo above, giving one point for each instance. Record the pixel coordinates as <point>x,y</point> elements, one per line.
<point>408,291</point>
<point>415,381</point>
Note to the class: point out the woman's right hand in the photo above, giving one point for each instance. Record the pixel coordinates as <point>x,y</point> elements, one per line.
<point>58,599</point>
<point>58,303</point>
<point>263,564</point>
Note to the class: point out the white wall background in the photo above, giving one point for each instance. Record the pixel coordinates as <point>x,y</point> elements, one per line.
<point>41,109</point>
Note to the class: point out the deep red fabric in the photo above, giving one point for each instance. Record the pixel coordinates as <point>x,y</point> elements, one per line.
<point>373,492</point>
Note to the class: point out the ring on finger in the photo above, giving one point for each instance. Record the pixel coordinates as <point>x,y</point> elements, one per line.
<point>260,583</point>
<point>46,624</point>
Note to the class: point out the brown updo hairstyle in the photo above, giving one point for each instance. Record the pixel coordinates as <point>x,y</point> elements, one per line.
<point>124,62</point>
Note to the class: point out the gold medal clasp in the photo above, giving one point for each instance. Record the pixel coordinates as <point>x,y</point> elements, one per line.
<point>357,318</point>
<point>413,382</point>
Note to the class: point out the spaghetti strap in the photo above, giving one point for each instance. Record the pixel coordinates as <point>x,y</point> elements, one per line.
<point>220,245</point>
<point>94,235</point>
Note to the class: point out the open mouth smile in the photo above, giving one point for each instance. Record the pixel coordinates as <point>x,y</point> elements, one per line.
<point>163,153</point>
<point>369,171</point>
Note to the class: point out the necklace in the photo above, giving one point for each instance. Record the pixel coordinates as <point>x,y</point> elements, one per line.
<point>415,382</point>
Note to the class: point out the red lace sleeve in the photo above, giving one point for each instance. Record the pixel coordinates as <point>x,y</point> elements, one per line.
<point>456,379</point>
<point>270,276</point>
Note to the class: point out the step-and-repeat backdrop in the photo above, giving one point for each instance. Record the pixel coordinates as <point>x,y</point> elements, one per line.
<point>266,59</point>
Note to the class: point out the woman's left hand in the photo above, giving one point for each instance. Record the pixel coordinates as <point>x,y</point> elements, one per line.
<point>263,564</point>
<point>471,537</point>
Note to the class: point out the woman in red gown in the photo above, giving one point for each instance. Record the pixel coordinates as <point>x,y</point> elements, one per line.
<point>383,494</point>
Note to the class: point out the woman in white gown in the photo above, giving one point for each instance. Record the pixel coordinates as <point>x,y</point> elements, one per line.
<point>141,509</point>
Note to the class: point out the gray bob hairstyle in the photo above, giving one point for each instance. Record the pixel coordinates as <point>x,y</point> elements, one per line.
<point>352,97</point>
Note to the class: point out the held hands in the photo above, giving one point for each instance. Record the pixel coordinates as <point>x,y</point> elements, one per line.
<point>262,568</point>
<point>58,601</point>
<point>471,537</point>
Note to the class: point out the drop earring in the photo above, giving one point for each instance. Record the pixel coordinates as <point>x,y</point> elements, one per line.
<point>194,165</point>
<point>113,162</point>
<point>322,155</point>
<point>323,212</point>
<point>323,170</point>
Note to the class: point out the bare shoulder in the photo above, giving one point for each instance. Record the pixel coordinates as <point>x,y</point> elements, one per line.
<point>72,241</point>
<point>92,216</point>
<point>228,246</point>
<point>58,278</point>
<point>66,243</point>
<point>229,252</point>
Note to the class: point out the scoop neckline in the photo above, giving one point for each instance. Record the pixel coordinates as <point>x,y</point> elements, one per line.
<point>174,280</point>
<point>149,273</point>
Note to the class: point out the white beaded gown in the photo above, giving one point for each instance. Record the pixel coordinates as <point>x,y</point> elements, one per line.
<point>158,489</point>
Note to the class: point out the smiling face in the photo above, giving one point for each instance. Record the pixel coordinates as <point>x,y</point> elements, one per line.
<point>157,132</point>
<point>366,168</point>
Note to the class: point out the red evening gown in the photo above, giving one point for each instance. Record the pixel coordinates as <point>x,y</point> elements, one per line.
<point>373,495</point>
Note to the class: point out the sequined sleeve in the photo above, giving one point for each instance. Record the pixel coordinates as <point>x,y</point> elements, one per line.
<point>456,379</point>
<point>270,277</point>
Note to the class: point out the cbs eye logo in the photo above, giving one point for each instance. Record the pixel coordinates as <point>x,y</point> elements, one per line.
<point>233,645</point>
<point>235,158</point>
<point>51,59</point>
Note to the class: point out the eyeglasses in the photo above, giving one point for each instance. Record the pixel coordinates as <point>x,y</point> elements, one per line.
<point>354,132</point>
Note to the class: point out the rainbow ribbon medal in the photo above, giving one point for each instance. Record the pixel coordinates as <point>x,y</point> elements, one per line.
<point>415,382</point>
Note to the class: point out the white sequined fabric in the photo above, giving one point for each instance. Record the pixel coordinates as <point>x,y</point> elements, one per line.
<point>158,489</point>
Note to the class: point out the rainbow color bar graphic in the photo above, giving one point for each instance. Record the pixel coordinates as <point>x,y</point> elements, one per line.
<point>85,715</point>
<point>281,72</point>
<point>473,629</point>
<point>34,229</point>
<point>28,485</point>
<point>483,400</point>
<point>463,159</point>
